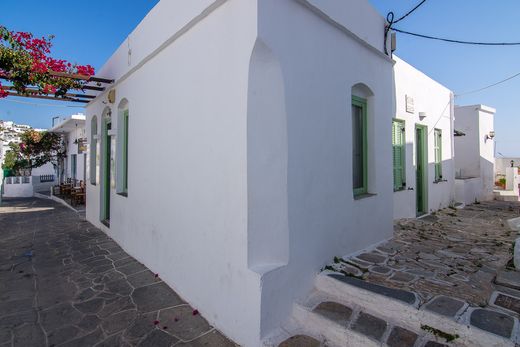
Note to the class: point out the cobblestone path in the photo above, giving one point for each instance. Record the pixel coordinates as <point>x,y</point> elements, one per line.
<point>63,282</point>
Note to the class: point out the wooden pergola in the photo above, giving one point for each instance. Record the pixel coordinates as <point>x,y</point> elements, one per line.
<point>92,83</point>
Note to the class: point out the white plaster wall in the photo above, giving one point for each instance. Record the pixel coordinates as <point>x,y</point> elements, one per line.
<point>196,208</point>
<point>18,190</point>
<point>320,61</point>
<point>487,152</point>
<point>72,148</point>
<point>185,216</point>
<point>46,169</point>
<point>468,190</point>
<point>474,153</point>
<point>437,102</point>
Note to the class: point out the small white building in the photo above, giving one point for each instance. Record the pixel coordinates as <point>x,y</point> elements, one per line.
<point>74,166</point>
<point>243,144</point>
<point>422,136</point>
<point>502,163</point>
<point>474,153</point>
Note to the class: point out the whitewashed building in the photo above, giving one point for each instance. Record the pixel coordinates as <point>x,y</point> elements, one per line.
<point>241,146</point>
<point>422,139</point>
<point>474,153</point>
<point>73,166</point>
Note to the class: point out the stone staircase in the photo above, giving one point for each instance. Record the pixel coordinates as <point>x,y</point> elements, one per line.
<point>346,311</point>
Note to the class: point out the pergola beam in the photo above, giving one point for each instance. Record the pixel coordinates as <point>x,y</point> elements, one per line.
<point>48,97</point>
<point>81,77</point>
<point>33,91</point>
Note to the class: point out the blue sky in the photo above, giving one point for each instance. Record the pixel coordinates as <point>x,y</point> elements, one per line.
<point>87,32</point>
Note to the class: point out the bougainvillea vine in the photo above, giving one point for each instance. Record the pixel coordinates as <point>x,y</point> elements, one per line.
<point>25,62</point>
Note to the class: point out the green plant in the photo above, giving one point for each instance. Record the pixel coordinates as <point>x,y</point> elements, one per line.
<point>448,337</point>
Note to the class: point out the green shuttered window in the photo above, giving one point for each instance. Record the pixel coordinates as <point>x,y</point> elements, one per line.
<point>437,147</point>
<point>398,153</point>
<point>125,152</point>
<point>359,145</point>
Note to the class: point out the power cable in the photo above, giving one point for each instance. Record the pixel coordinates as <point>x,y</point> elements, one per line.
<point>408,13</point>
<point>390,19</point>
<point>457,41</point>
<point>489,86</point>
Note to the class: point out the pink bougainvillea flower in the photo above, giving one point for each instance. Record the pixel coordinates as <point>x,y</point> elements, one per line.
<point>155,322</point>
<point>195,312</point>
<point>156,275</point>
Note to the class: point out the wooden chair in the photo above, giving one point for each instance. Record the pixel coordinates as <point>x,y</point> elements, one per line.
<point>77,195</point>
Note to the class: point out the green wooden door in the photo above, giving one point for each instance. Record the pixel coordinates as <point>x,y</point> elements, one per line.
<point>107,159</point>
<point>421,162</point>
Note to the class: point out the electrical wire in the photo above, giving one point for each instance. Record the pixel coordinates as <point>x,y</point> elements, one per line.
<point>489,86</point>
<point>458,41</point>
<point>390,20</point>
<point>409,12</point>
<point>37,104</point>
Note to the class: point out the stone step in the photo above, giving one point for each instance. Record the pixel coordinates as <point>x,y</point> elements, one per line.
<point>508,196</point>
<point>366,314</point>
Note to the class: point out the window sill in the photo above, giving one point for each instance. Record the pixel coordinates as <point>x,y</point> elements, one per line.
<point>363,196</point>
<point>125,194</point>
<point>400,190</point>
<point>439,181</point>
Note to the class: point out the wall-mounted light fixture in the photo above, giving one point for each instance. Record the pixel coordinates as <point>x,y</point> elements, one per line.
<point>422,115</point>
<point>490,136</point>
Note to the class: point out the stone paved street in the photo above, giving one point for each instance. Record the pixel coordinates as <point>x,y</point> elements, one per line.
<point>63,282</point>
<point>452,252</point>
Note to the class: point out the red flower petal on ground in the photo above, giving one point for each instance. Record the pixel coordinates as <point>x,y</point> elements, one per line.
<point>155,322</point>
<point>156,275</point>
<point>165,327</point>
<point>195,312</point>
<point>175,319</point>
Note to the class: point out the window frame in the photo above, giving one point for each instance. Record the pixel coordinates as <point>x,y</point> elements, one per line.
<point>402,124</point>
<point>437,153</point>
<point>362,103</point>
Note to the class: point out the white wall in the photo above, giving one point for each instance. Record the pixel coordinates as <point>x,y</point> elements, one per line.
<point>437,102</point>
<point>72,149</point>
<point>474,152</point>
<point>14,187</point>
<point>240,168</point>
<point>185,216</point>
<point>319,68</point>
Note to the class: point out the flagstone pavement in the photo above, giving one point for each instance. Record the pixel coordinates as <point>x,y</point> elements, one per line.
<point>64,282</point>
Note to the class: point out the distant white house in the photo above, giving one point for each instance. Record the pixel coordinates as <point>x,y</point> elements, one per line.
<point>243,144</point>
<point>422,139</point>
<point>34,180</point>
<point>72,129</point>
<point>474,153</point>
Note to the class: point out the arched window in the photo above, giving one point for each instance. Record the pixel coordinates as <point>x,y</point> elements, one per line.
<point>93,150</point>
<point>122,148</point>
<point>360,95</point>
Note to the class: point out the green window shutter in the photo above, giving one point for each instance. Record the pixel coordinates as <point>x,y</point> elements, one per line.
<point>359,146</point>
<point>438,154</point>
<point>398,153</point>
